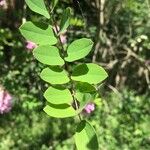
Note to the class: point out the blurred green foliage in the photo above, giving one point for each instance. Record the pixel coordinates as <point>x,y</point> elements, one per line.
<point>122,119</point>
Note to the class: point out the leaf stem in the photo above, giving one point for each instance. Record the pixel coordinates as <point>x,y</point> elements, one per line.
<point>57,31</point>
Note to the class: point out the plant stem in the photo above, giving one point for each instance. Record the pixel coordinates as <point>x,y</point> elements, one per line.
<point>57,31</point>
<point>62,53</point>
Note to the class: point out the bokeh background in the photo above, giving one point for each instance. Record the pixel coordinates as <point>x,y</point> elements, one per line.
<point>120,30</point>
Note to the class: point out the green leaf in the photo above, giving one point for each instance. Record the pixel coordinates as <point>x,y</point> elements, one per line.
<point>84,99</point>
<point>85,87</point>
<point>85,137</point>
<point>48,55</point>
<point>60,111</point>
<point>38,6</point>
<point>65,21</point>
<point>79,49</point>
<point>58,95</point>
<point>91,73</point>
<point>54,75</point>
<point>85,93</point>
<point>38,33</point>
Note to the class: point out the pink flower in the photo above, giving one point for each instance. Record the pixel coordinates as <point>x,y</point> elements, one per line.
<point>5,102</point>
<point>63,38</point>
<point>89,108</point>
<point>30,45</point>
<point>2,2</point>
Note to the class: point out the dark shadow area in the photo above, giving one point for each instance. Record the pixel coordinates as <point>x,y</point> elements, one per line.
<point>41,25</point>
<point>93,144</point>
<point>81,126</point>
<point>56,68</point>
<point>80,70</point>
<point>59,106</point>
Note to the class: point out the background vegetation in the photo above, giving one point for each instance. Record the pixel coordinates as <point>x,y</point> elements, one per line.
<point>121,32</point>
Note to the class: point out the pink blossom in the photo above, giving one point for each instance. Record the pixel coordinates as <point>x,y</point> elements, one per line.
<point>5,101</point>
<point>63,38</point>
<point>30,45</point>
<point>89,108</point>
<point>2,2</point>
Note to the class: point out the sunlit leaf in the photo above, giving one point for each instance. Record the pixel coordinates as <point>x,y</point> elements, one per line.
<point>48,55</point>
<point>91,73</point>
<point>58,95</point>
<point>60,111</point>
<point>85,137</point>
<point>54,75</point>
<point>79,49</point>
<point>38,6</point>
<point>38,33</point>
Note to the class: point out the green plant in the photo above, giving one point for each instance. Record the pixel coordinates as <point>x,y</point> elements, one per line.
<point>71,88</point>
